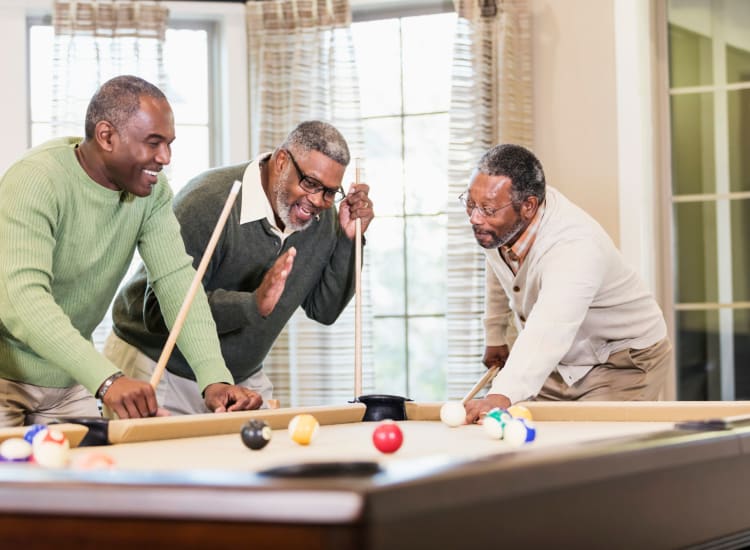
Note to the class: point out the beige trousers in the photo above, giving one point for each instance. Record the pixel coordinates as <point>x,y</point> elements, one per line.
<point>628,375</point>
<point>174,393</point>
<point>25,404</point>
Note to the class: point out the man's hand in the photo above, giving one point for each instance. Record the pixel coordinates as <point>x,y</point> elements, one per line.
<point>357,204</point>
<point>477,408</point>
<point>222,397</point>
<point>130,398</point>
<point>272,286</point>
<point>495,356</point>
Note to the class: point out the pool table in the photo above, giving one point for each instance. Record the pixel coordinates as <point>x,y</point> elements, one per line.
<point>598,475</point>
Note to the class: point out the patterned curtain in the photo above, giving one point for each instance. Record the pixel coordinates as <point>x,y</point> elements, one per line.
<point>94,41</point>
<point>491,103</point>
<point>301,67</point>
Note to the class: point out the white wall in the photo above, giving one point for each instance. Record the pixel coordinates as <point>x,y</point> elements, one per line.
<point>594,124</point>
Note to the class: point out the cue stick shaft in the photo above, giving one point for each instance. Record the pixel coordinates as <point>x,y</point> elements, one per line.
<point>489,375</point>
<point>357,295</point>
<point>199,272</point>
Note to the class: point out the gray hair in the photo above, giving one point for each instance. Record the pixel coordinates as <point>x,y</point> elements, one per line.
<point>520,165</point>
<point>117,100</point>
<point>315,135</point>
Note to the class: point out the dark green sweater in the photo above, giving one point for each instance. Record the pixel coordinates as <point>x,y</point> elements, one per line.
<point>321,281</point>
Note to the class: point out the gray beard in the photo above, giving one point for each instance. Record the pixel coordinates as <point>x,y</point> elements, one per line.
<point>508,236</point>
<point>283,209</point>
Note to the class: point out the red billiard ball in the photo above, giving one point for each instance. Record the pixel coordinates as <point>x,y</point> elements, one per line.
<point>387,437</point>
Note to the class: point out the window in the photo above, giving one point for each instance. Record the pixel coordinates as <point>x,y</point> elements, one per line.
<point>187,90</point>
<point>404,72</point>
<point>709,87</point>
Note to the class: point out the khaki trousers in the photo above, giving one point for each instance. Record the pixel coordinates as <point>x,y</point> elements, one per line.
<point>628,375</point>
<point>25,404</point>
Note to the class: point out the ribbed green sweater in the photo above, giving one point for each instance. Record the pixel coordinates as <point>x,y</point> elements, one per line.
<point>66,242</point>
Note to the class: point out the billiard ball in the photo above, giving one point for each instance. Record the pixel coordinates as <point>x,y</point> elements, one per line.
<point>387,437</point>
<point>32,430</point>
<point>519,411</point>
<point>255,434</point>
<point>453,413</point>
<point>494,422</point>
<point>15,449</point>
<point>519,431</point>
<point>51,448</point>
<point>303,428</point>
<point>93,460</point>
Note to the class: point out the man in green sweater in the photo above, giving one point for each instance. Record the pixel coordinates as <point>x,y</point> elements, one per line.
<point>72,213</point>
<point>286,244</point>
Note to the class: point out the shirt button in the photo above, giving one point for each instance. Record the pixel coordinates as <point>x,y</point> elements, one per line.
<point>516,289</point>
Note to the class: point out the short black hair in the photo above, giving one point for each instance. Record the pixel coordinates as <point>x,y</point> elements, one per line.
<point>520,165</point>
<point>117,100</point>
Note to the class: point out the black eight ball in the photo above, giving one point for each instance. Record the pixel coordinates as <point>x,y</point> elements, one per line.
<point>255,434</point>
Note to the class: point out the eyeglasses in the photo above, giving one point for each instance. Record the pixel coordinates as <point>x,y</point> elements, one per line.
<point>470,206</point>
<point>312,186</point>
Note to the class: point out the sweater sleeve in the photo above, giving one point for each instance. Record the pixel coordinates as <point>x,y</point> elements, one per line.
<point>335,287</point>
<point>29,211</point>
<point>496,310</point>
<point>571,274</point>
<point>171,274</point>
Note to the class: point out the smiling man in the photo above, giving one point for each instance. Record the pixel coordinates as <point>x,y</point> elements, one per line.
<point>588,329</point>
<point>72,213</point>
<point>288,242</point>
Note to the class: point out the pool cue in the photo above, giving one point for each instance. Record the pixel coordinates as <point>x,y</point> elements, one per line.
<point>490,374</point>
<point>199,272</point>
<point>357,296</point>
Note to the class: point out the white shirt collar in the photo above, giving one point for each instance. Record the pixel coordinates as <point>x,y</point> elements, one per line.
<point>255,205</point>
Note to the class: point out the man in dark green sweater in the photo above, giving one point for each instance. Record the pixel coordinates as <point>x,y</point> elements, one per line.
<point>72,213</point>
<point>285,245</point>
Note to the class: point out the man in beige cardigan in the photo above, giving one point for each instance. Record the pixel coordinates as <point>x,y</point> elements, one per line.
<point>588,328</point>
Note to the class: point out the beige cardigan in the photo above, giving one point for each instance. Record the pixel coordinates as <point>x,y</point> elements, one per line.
<point>575,302</point>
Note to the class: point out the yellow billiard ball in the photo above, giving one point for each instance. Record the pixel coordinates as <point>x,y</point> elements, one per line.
<point>519,411</point>
<point>303,428</point>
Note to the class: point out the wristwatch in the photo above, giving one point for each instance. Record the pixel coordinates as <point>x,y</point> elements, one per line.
<point>106,384</point>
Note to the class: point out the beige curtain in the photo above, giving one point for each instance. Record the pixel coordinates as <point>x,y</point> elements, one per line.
<point>301,67</point>
<point>491,103</point>
<point>95,41</point>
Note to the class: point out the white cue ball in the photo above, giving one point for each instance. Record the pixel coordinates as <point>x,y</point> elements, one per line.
<point>453,413</point>
<point>519,431</point>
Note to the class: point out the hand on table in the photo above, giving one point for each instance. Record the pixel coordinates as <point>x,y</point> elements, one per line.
<point>131,398</point>
<point>477,408</point>
<point>357,204</point>
<point>272,286</point>
<point>222,397</point>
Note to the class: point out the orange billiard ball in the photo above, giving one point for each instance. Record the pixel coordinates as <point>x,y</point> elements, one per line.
<point>387,437</point>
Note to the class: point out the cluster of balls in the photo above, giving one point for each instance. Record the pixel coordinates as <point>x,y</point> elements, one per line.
<point>514,425</point>
<point>40,444</point>
<point>49,448</point>
<point>303,428</point>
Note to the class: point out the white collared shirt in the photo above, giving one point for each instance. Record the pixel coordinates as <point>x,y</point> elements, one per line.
<point>255,205</point>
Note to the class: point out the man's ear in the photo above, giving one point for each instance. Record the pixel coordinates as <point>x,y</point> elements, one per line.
<point>105,134</point>
<point>529,207</point>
